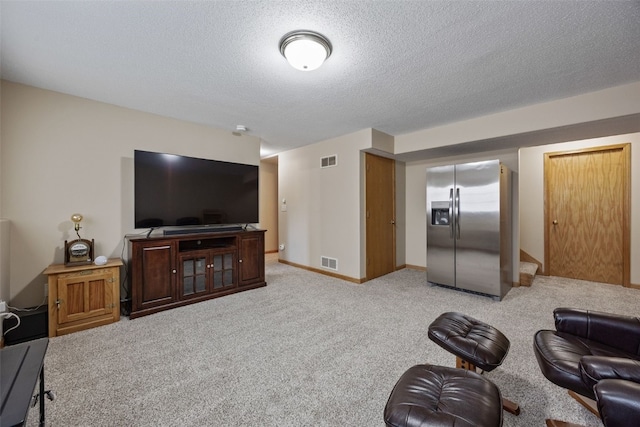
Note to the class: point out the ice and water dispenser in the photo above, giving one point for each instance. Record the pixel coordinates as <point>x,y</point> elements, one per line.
<point>440,213</point>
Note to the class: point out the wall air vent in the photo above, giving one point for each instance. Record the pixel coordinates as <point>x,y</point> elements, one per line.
<point>330,263</point>
<point>329,161</point>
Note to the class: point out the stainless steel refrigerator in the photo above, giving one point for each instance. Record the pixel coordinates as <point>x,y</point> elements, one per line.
<point>469,227</point>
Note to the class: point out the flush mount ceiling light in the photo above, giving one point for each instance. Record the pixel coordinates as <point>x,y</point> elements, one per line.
<point>305,50</point>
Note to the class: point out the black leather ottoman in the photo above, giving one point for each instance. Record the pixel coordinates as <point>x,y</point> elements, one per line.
<point>427,395</point>
<point>474,343</point>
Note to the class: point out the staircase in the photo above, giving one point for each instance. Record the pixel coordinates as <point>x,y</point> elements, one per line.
<point>528,271</point>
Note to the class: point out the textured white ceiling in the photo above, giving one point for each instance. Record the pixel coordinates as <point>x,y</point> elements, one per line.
<point>397,66</point>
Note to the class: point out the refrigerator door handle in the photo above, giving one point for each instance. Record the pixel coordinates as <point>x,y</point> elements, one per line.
<point>457,216</point>
<point>451,213</point>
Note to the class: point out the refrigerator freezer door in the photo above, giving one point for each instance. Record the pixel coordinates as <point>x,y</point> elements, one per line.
<point>478,221</point>
<point>440,226</point>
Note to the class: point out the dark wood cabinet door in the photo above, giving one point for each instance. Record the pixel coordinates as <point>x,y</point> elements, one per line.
<point>156,275</point>
<point>251,259</point>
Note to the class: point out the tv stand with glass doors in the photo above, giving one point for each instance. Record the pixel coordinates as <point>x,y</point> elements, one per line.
<point>175,270</point>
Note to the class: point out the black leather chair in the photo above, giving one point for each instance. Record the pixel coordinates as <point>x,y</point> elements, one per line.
<point>588,348</point>
<point>618,402</point>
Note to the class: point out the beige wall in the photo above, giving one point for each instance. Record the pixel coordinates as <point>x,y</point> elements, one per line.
<point>401,214</point>
<point>269,203</point>
<point>532,184</point>
<point>604,104</point>
<point>323,206</point>
<point>5,262</point>
<point>325,213</point>
<point>382,142</point>
<point>62,154</point>
<point>5,230</point>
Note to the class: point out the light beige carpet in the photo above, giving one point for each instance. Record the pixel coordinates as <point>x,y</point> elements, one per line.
<point>307,350</point>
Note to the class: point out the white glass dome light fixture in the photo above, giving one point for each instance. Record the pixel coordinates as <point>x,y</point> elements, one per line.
<point>305,50</point>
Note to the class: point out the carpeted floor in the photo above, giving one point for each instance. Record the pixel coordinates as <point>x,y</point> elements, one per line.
<point>307,350</point>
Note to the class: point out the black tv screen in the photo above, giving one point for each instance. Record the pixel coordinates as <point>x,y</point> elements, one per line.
<point>173,190</point>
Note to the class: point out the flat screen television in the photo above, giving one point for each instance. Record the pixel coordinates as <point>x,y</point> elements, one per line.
<point>172,190</point>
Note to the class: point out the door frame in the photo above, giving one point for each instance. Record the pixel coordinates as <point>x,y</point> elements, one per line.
<point>626,204</point>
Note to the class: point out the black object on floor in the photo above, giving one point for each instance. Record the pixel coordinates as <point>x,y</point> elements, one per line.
<point>33,325</point>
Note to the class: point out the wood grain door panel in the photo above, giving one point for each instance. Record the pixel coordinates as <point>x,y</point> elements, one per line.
<point>85,296</point>
<point>380,215</point>
<point>587,214</point>
<point>156,275</point>
<point>251,259</point>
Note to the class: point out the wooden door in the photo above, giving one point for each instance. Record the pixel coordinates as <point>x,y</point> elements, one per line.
<point>85,294</point>
<point>380,215</point>
<point>587,214</point>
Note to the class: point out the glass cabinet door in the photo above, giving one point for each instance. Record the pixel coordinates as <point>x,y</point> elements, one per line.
<point>194,274</point>
<point>223,270</point>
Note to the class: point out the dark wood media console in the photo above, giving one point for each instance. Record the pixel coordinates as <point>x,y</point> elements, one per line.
<point>176,270</point>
